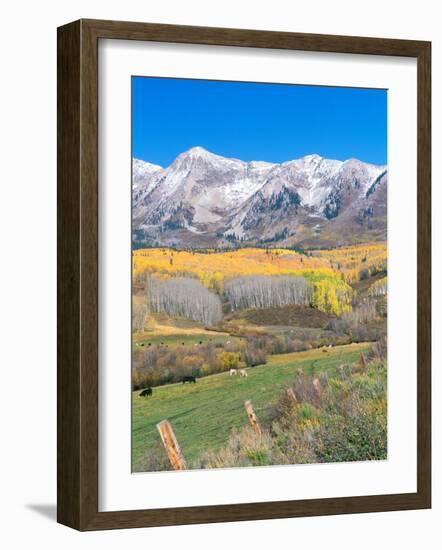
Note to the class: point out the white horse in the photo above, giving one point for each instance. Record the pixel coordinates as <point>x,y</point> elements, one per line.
<point>233,372</point>
<point>243,373</point>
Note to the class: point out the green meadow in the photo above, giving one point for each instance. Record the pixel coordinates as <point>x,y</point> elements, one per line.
<point>203,414</point>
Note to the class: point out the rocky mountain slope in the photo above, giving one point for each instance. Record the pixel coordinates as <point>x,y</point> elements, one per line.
<point>205,200</point>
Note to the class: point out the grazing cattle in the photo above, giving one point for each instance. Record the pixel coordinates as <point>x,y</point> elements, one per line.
<point>189,379</point>
<point>324,350</point>
<point>243,373</point>
<point>233,372</point>
<point>142,345</point>
<point>146,392</point>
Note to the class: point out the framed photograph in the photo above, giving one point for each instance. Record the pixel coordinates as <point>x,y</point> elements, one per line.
<point>243,275</point>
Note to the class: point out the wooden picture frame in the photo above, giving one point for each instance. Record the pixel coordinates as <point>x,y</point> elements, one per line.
<point>78,274</point>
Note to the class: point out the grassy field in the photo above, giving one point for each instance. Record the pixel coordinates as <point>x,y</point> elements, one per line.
<point>204,413</point>
<point>174,340</point>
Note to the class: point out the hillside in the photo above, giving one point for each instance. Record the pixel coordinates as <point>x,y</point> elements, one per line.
<point>203,414</point>
<point>212,267</point>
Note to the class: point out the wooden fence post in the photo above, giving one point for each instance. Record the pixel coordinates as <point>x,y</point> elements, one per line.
<point>291,394</point>
<point>171,445</point>
<point>252,417</point>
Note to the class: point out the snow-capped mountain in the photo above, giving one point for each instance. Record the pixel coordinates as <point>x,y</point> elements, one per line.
<point>142,171</point>
<point>198,188</point>
<point>142,177</point>
<point>203,199</point>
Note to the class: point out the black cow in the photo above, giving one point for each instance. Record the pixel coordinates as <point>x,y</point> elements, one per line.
<point>189,379</point>
<point>146,392</point>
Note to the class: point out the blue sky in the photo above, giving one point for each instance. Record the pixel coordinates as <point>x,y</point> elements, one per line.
<point>271,122</point>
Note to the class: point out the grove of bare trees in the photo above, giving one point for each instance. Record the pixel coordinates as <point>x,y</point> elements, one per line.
<point>255,291</point>
<point>183,297</point>
<point>139,314</point>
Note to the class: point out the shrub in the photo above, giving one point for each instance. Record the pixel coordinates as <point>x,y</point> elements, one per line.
<point>379,349</point>
<point>363,436</point>
<point>253,354</point>
<point>344,418</point>
<point>297,345</point>
<point>245,448</point>
<point>228,360</point>
<point>155,460</point>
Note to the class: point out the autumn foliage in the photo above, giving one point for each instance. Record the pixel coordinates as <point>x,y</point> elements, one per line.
<point>329,273</point>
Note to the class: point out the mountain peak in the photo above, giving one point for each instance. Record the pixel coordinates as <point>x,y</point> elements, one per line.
<point>148,166</point>
<point>353,160</point>
<point>143,173</point>
<point>199,151</point>
<point>199,156</point>
<point>313,157</point>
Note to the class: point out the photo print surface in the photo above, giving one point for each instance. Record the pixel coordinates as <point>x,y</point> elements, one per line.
<point>259,274</point>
